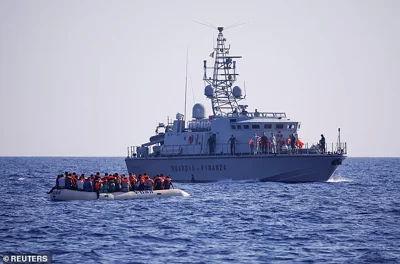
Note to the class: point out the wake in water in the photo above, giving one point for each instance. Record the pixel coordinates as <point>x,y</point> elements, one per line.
<point>338,179</point>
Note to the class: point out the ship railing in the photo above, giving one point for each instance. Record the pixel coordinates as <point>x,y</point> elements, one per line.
<point>246,149</point>
<point>258,114</point>
<point>238,149</point>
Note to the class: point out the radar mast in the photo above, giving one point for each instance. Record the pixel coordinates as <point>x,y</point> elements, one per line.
<point>219,89</point>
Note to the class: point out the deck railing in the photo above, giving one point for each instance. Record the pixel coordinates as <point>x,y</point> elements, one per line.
<point>238,149</point>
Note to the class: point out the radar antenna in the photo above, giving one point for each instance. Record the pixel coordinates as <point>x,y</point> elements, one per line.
<point>219,88</point>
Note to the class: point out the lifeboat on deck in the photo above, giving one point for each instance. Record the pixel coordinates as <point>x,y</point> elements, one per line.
<point>68,195</point>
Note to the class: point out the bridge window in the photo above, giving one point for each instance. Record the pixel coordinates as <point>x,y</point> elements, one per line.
<point>233,127</point>
<point>255,126</point>
<point>232,120</point>
<point>267,126</point>
<point>246,126</point>
<point>290,126</point>
<point>279,126</point>
<point>239,126</point>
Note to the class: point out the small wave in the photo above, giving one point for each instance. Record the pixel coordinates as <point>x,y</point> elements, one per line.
<point>339,179</point>
<point>225,181</point>
<point>21,178</point>
<point>239,181</point>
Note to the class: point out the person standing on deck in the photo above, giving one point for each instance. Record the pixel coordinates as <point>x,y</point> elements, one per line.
<point>273,143</point>
<point>264,143</point>
<point>293,143</point>
<point>251,145</point>
<point>233,142</point>
<point>322,143</point>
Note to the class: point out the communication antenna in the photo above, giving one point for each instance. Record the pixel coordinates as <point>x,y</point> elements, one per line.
<point>186,82</point>
<point>236,25</point>
<point>205,23</point>
<point>191,85</point>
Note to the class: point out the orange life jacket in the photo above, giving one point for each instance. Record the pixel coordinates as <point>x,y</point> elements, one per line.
<point>97,186</point>
<point>299,143</point>
<point>251,143</point>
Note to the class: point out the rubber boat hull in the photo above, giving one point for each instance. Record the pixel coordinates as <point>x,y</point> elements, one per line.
<point>68,195</point>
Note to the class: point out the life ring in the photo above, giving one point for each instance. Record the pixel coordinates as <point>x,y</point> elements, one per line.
<point>191,139</point>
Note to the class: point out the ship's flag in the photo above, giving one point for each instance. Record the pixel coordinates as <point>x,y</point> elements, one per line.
<point>212,54</point>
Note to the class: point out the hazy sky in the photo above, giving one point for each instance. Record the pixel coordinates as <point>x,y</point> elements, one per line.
<point>89,78</point>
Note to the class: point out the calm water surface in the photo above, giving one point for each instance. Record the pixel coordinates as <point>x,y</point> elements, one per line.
<point>353,218</point>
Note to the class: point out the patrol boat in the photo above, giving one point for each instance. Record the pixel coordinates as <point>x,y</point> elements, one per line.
<point>201,150</point>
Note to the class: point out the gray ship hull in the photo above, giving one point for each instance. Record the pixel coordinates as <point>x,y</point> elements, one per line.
<point>279,168</point>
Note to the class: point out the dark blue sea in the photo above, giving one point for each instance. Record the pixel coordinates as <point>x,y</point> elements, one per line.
<point>353,218</point>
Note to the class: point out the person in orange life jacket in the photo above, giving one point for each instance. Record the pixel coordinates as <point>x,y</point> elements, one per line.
<point>168,183</point>
<point>95,180</point>
<point>74,181</point>
<point>125,185</point>
<point>251,145</point>
<point>158,182</point>
<point>97,184</point>
<point>148,183</point>
<point>88,185</point>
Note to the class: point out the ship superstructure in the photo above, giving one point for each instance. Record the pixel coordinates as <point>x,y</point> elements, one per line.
<point>232,143</point>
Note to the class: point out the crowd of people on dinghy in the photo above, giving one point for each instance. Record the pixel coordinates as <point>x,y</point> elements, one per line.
<point>110,183</point>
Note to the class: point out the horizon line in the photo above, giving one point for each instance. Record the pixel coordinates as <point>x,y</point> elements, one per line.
<point>69,156</point>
